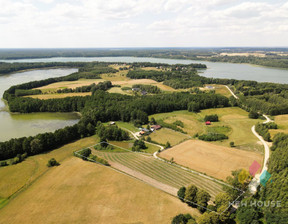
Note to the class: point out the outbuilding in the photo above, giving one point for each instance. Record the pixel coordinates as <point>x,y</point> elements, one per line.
<point>208,122</point>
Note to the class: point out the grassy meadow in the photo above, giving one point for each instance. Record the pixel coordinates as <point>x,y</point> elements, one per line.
<point>234,122</point>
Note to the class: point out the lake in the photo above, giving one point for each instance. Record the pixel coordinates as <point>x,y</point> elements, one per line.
<point>215,69</point>
<point>19,125</point>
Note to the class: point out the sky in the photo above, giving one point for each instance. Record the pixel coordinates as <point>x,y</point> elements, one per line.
<point>143,23</point>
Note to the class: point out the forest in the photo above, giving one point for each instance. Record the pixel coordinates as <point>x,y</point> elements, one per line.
<point>206,54</point>
<point>275,190</point>
<point>103,106</point>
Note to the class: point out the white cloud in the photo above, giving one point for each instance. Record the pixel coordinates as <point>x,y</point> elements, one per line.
<point>103,23</point>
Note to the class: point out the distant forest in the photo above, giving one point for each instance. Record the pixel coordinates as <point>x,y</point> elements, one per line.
<point>208,54</point>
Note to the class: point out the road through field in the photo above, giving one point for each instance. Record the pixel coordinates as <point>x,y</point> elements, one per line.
<point>256,180</point>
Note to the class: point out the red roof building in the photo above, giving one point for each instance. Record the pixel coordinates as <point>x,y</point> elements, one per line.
<point>208,122</point>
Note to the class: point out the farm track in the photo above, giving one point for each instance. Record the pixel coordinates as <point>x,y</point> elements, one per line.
<point>162,172</point>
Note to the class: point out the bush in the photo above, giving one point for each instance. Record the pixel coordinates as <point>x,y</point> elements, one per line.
<point>179,123</point>
<point>181,193</point>
<point>253,115</point>
<point>98,160</point>
<point>168,145</point>
<point>3,163</point>
<point>232,144</point>
<point>138,146</point>
<point>84,153</point>
<point>183,219</point>
<point>212,118</point>
<point>52,162</point>
<point>212,137</point>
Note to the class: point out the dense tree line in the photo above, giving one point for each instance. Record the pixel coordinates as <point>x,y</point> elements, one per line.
<point>138,146</point>
<point>263,130</point>
<point>275,191</point>
<point>147,88</point>
<point>101,106</point>
<point>90,88</point>
<point>6,68</point>
<point>194,197</point>
<point>111,132</point>
<point>46,141</point>
<point>213,137</point>
<point>211,117</point>
<point>26,92</point>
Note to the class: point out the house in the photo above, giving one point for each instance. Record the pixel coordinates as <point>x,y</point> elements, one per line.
<point>208,122</point>
<point>142,132</point>
<point>145,130</point>
<point>156,127</point>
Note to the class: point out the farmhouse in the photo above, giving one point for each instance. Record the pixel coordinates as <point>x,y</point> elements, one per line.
<point>208,122</point>
<point>142,132</point>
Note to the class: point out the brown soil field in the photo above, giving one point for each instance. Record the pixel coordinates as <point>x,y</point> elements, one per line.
<point>216,161</point>
<point>83,192</point>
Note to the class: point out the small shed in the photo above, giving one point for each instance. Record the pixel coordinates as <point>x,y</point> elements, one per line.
<point>142,132</point>
<point>208,122</point>
<point>112,123</point>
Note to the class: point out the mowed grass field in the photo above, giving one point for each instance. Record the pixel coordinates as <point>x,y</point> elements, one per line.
<point>21,175</point>
<point>58,95</point>
<point>234,122</point>
<point>165,135</point>
<point>216,161</point>
<point>69,84</point>
<point>151,148</point>
<point>221,89</point>
<point>282,122</point>
<point>161,171</point>
<point>78,191</point>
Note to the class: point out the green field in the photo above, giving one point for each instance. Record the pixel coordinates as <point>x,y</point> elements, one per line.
<point>234,122</point>
<point>151,148</point>
<point>161,171</point>
<point>168,135</point>
<point>282,122</point>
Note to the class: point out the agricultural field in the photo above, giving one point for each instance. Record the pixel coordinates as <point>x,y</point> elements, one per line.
<point>17,177</point>
<point>68,84</point>
<point>282,122</point>
<point>165,135</point>
<point>234,122</point>
<point>160,171</point>
<point>126,125</point>
<point>118,90</point>
<point>220,89</point>
<point>78,191</point>
<point>151,148</point>
<point>215,161</point>
<point>58,95</point>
